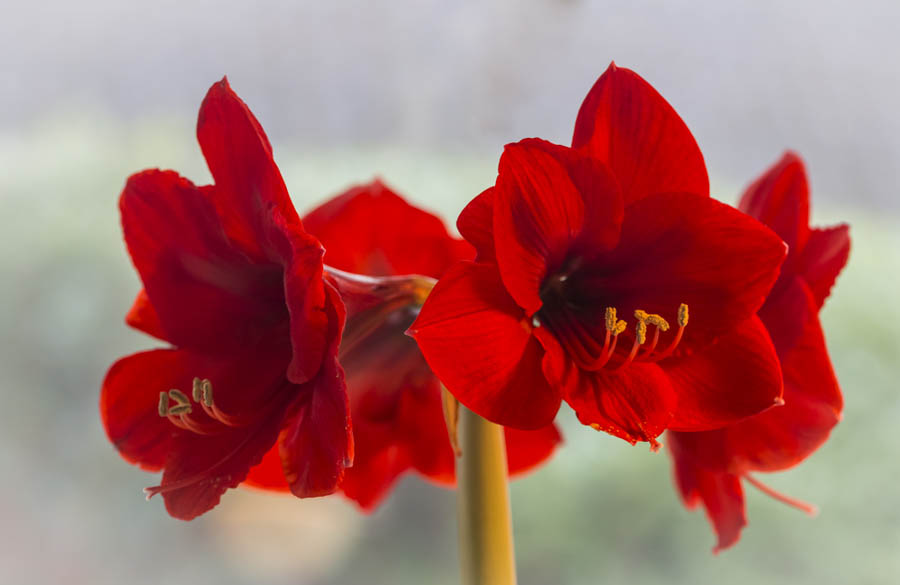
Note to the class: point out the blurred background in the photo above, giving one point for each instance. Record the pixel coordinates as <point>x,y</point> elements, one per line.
<point>424,94</point>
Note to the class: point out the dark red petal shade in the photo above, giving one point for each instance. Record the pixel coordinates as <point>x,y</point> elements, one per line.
<point>720,493</point>
<point>371,230</point>
<point>538,214</point>
<point>192,273</point>
<point>682,248</point>
<point>626,124</point>
<point>478,342</point>
<point>737,376</point>
<point>249,187</point>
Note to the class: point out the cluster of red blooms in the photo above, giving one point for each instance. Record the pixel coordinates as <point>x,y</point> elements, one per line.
<point>602,274</point>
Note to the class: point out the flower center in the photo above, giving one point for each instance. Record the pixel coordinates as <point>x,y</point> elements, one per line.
<point>582,344</point>
<point>176,406</point>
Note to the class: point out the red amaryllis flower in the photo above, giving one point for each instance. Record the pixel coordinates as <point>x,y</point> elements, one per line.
<point>234,284</point>
<point>395,400</point>
<point>571,239</point>
<point>710,465</point>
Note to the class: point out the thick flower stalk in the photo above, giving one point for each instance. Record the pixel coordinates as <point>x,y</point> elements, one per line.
<point>235,285</point>
<point>711,466</point>
<point>607,277</point>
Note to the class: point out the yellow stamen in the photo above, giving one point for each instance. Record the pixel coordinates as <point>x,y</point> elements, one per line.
<point>640,331</point>
<point>611,322</point>
<point>195,390</point>
<point>682,315</point>
<point>620,327</point>
<point>181,409</point>
<point>657,320</point>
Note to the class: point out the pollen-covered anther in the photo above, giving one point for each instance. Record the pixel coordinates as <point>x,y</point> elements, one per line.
<point>196,391</point>
<point>163,407</point>
<point>177,407</point>
<point>682,315</point>
<point>182,404</point>
<point>660,324</point>
<point>613,328</point>
<point>682,323</point>
<point>640,332</point>
<point>206,393</point>
<point>611,320</point>
<point>640,336</point>
<point>181,409</point>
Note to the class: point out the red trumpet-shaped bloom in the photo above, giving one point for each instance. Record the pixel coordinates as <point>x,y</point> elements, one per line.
<point>395,400</point>
<point>235,285</point>
<point>709,466</point>
<point>607,277</point>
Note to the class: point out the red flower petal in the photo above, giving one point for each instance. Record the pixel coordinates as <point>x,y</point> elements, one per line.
<point>397,416</point>
<point>316,444</point>
<point>315,308</point>
<point>128,406</point>
<point>198,468</point>
<point>192,274</point>
<point>142,316</point>
<point>783,436</point>
<point>735,377</point>
<point>478,343</point>
<point>372,476</point>
<point>267,474</point>
<point>780,199</point>
<point>635,404</point>
<point>257,213</point>
<point>720,493</point>
<point>476,224</point>
<point>823,258</point>
<point>538,214</point>
<point>599,191</point>
<point>681,248</point>
<point>626,124</point>
<point>525,450</point>
<point>202,468</point>
<point>371,230</point>
<point>249,189</point>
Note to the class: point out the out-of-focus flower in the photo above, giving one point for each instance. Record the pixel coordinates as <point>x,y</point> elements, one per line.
<point>395,400</point>
<point>571,239</point>
<point>234,283</point>
<point>709,466</point>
